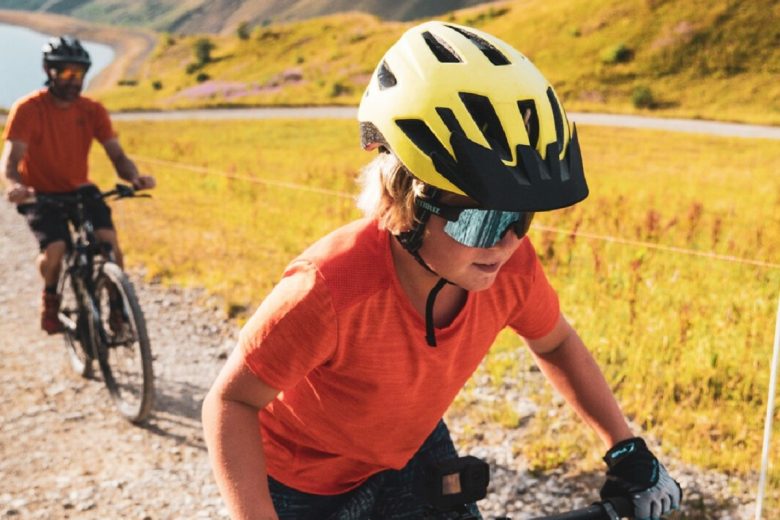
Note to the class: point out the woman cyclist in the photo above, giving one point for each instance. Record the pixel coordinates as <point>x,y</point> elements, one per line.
<point>332,404</point>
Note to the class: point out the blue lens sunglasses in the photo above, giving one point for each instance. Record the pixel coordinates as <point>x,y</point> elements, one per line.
<point>474,227</point>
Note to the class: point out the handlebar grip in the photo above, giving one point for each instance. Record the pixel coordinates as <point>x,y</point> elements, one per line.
<point>610,509</point>
<point>622,506</point>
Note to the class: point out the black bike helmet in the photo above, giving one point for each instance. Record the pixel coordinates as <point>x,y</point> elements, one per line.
<point>65,49</point>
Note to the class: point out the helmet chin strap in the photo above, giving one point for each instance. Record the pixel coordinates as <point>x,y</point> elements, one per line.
<point>411,240</point>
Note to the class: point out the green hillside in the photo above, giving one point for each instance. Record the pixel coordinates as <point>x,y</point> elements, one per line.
<point>693,58</point>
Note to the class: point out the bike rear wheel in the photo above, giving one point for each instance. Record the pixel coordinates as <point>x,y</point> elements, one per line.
<point>78,317</point>
<point>124,353</point>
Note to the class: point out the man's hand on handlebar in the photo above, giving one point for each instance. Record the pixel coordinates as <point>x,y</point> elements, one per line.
<point>144,182</point>
<point>17,193</point>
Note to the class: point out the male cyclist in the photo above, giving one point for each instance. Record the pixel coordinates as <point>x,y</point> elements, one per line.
<point>47,136</point>
<point>332,404</point>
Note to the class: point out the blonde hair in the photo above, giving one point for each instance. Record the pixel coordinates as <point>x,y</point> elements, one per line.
<point>388,193</point>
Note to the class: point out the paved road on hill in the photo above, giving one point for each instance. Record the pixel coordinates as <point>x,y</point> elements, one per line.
<point>627,121</point>
<point>694,126</point>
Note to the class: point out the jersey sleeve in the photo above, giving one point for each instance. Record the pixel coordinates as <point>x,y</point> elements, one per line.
<point>538,312</point>
<point>21,123</point>
<point>103,129</point>
<point>293,331</point>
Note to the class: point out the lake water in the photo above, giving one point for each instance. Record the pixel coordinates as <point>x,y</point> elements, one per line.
<point>21,69</point>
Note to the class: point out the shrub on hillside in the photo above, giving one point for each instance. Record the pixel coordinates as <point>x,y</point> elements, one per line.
<point>157,84</point>
<point>201,77</point>
<point>203,48</point>
<point>617,54</point>
<point>243,31</point>
<point>642,97</point>
<point>339,89</point>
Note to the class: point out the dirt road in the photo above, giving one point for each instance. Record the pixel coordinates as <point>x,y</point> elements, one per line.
<point>64,452</point>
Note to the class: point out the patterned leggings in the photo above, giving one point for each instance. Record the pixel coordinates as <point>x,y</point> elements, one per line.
<point>388,495</point>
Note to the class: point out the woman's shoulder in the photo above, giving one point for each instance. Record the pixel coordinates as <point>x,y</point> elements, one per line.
<point>351,260</point>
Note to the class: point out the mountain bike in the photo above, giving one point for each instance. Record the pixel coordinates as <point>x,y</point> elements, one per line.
<point>99,311</point>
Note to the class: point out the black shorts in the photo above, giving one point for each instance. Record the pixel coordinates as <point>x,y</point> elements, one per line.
<point>49,223</point>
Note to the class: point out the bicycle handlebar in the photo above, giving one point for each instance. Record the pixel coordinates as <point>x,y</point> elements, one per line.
<point>120,191</point>
<point>610,509</point>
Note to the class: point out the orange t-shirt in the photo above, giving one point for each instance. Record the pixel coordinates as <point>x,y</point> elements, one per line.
<point>361,388</point>
<point>58,139</point>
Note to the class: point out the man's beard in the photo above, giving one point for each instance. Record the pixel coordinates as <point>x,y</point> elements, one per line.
<point>66,92</point>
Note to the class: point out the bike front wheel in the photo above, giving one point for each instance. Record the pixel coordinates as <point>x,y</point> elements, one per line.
<point>77,314</point>
<point>124,353</point>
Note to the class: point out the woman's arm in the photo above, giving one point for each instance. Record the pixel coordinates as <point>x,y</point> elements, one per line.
<point>567,364</point>
<point>232,434</point>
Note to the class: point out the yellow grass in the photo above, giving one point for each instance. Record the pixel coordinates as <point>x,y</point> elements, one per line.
<point>685,340</point>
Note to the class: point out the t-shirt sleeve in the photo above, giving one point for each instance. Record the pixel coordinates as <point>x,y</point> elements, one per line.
<point>293,331</point>
<point>538,313</point>
<point>21,123</point>
<point>103,129</point>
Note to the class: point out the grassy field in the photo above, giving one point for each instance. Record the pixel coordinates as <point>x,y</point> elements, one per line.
<point>685,340</point>
<point>691,58</point>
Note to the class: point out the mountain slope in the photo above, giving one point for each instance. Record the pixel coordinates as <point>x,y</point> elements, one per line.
<point>693,58</point>
<point>215,16</point>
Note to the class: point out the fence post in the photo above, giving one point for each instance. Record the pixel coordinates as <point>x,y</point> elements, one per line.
<point>770,412</point>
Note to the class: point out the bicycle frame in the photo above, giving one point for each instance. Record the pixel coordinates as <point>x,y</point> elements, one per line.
<point>82,261</point>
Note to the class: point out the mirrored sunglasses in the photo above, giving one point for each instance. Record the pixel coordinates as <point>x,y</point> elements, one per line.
<point>71,73</point>
<point>474,227</point>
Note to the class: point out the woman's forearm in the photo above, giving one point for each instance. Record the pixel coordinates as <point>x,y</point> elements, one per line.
<point>573,372</point>
<point>236,456</point>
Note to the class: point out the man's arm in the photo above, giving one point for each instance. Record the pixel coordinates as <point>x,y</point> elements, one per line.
<point>567,364</point>
<point>15,190</point>
<point>235,448</point>
<point>126,168</point>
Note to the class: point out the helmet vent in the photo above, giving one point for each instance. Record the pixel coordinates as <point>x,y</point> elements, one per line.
<point>557,117</point>
<point>385,77</point>
<point>440,49</point>
<point>495,56</point>
<point>448,118</point>
<point>530,117</point>
<point>422,137</point>
<point>484,115</point>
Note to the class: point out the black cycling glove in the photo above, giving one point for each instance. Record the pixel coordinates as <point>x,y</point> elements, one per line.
<point>634,473</point>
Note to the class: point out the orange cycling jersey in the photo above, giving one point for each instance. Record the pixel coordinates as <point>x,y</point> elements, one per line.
<point>58,139</point>
<point>361,389</point>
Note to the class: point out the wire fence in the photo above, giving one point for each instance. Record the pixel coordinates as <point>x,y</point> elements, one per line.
<point>577,233</point>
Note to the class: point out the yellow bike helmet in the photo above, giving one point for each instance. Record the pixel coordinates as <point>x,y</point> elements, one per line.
<point>466,113</point>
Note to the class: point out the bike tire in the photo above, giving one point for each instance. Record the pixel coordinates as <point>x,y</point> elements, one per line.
<point>78,317</point>
<point>126,364</point>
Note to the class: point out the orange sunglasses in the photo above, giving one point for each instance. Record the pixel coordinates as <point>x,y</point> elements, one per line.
<point>69,73</point>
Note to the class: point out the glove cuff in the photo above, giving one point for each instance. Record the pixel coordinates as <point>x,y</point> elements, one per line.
<point>624,449</point>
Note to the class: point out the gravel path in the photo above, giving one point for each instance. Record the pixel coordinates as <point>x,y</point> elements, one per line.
<point>65,453</point>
